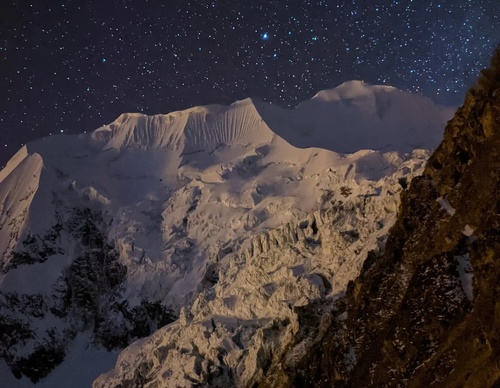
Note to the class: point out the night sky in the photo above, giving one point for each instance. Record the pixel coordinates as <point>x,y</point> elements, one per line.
<point>71,66</point>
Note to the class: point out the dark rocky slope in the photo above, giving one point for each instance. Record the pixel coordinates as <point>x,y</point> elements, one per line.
<point>427,311</point>
<point>86,297</point>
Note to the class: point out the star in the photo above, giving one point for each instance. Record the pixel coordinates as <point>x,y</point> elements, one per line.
<point>72,62</point>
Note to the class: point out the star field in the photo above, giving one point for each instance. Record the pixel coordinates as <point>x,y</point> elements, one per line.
<point>71,66</point>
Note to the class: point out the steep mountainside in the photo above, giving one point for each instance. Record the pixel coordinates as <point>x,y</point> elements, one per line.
<point>106,237</point>
<point>426,311</point>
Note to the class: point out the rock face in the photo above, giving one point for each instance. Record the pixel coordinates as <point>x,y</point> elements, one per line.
<point>426,311</point>
<point>37,327</point>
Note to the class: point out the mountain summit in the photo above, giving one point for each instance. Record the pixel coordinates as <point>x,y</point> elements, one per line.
<point>203,230</point>
<point>356,116</point>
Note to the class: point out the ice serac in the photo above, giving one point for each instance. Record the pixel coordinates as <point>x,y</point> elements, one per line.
<point>247,313</point>
<point>425,312</point>
<point>203,230</point>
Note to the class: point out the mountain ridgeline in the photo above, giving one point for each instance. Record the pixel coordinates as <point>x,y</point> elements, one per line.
<point>427,310</point>
<point>197,248</point>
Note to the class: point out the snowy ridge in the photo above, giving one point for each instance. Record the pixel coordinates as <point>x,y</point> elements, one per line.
<point>355,116</point>
<point>200,128</point>
<point>16,194</point>
<point>206,212</point>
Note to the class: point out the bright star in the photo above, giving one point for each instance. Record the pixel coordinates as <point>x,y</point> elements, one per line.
<point>265,36</point>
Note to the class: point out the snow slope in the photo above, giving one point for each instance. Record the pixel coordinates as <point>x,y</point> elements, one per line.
<point>357,116</point>
<point>246,315</point>
<point>210,212</point>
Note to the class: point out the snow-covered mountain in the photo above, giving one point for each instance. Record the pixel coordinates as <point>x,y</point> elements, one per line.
<point>425,312</point>
<point>220,219</point>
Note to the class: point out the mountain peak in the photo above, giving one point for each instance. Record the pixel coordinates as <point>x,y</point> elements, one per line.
<point>356,115</point>
<point>425,311</point>
<point>196,128</point>
<point>347,118</point>
<point>350,90</point>
<point>210,214</point>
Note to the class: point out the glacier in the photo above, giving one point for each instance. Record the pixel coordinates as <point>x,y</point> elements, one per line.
<point>190,239</point>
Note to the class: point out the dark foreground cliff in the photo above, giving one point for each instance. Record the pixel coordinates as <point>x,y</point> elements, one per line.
<point>427,311</point>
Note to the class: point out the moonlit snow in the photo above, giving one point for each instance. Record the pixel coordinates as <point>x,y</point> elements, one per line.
<point>230,215</point>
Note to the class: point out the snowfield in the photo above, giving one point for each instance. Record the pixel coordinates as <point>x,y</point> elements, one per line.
<point>228,217</point>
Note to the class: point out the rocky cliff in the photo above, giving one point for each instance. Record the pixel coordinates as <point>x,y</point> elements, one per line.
<point>427,310</point>
<point>36,327</point>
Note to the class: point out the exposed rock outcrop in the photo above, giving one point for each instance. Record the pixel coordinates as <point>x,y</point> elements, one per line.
<point>37,327</point>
